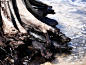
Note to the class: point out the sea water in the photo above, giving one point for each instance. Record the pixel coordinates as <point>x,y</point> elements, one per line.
<point>71,16</point>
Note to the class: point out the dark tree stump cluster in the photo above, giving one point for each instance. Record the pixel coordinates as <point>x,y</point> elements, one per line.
<point>28,38</point>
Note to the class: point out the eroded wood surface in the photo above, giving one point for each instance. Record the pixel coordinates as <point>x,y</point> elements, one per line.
<point>22,34</point>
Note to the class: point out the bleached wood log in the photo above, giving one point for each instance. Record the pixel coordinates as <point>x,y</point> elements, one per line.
<point>29,19</point>
<point>21,29</point>
<point>8,26</point>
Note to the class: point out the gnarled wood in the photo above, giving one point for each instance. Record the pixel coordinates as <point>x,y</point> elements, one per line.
<point>43,40</point>
<point>21,29</point>
<point>8,26</point>
<point>29,6</point>
<point>29,19</point>
<point>38,8</point>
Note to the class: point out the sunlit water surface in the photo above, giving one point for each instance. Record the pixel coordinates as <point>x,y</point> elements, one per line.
<point>71,17</point>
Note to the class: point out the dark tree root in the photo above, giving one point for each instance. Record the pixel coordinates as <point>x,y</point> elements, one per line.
<point>20,46</point>
<point>49,21</point>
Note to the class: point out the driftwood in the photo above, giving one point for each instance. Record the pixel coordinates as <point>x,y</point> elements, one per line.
<point>38,8</point>
<point>22,34</point>
<point>8,26</point>
<point>21,29</point>
<point>29,19</point>
<point>29,6</point>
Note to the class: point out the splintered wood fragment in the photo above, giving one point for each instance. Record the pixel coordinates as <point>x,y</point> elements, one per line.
<point>29,19</point>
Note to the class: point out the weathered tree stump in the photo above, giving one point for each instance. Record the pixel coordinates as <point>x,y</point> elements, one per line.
<point>23,34</point>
